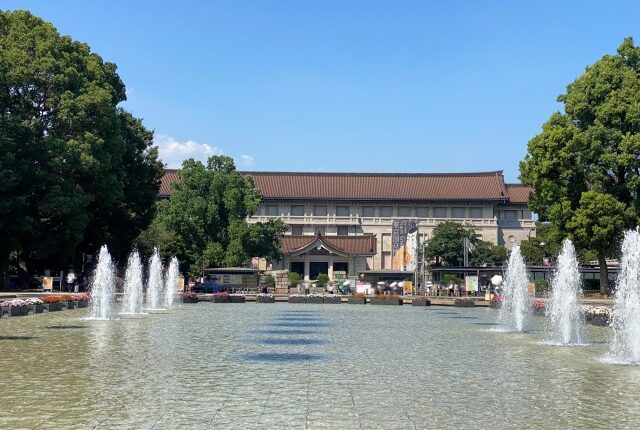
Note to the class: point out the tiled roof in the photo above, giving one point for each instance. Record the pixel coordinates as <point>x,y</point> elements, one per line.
<point>378,186</point>
<point>518,193</point>
<point>381,186</point>
<point>170,175</point>
<point>354,245</point>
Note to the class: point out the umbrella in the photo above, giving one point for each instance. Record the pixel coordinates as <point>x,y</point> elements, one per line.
<point>496,280</point>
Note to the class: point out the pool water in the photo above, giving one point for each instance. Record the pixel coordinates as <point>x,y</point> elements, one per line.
<point>209,366</point>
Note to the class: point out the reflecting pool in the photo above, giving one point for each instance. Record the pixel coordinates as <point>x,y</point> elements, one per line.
<point>209,366</point>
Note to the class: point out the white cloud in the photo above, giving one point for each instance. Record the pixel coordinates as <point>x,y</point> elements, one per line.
<point>247,160</point>
<point>173,153</point>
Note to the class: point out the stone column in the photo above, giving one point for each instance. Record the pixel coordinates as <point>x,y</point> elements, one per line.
<point>306,267</point>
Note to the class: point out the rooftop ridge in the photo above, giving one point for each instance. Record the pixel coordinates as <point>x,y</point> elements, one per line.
<point>374,174</point>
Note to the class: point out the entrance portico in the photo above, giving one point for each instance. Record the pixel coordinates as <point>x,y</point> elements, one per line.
<point>310,256</point>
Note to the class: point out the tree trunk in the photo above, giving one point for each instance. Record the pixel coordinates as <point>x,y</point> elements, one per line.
<point>604,273</point>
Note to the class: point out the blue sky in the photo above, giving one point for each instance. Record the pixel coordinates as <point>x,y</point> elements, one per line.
<point>362,86</point>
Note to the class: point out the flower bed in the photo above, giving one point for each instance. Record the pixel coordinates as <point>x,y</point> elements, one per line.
<point>464,303</point>
<point>265,298</point>
<point>81,299</point>
<point>496,302</point>
<point>15,307</point>
<point>420,301</point>
<point>189,297</point>
<point>222,297</point>
<point>386,299</point>
<point>35,305</point>
<point>297,298</point>
<point>332,300</point>
<point>236,298</point>
<point>597,315</point>
<point>317,299</point>
<point>357,299</point>
<point>539,307</point>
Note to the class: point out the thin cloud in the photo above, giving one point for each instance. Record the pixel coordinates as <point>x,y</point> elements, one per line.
<point>173,152</point>
<point>246,160</point>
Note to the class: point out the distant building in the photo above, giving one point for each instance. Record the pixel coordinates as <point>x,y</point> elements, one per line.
<point>340,223</point>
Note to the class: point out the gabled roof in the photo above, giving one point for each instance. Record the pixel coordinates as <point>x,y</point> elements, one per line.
<point>479,186</point>
<point>339,245</point>
<point>381,186</point>
<point>518,193</point>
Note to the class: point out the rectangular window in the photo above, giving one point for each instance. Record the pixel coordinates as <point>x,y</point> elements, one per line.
<point>343,230</point>
<point>475,212</point>
<point>297,267</point>
<point>422,212</point>
<point>457,212</point>
<point>296,230</point>
<point>386,260</point>
<point>272,210</point>
<point>368,210</point>
<point>440,212</point>
<point>510,214</point>
<point>297,210</point>
<point>404,211</point>
<point>342,211</point>
<point>319,210</point>
<point>386,211</point>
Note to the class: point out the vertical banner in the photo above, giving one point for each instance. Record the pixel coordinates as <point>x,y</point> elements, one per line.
<point>471,283</point>
<point>404,245</point>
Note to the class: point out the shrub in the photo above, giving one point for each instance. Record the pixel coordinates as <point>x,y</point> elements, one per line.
<point>542,286</point>
<point>189,295</point>
<point>270,281</point>
<point>358,296</point>
<point>387,296</point>
<point>12,303</point>
<point>221,294</point>
<point>51,299</point>
<point>66,298</point>
<point>81,297</point>
<point>294,279</point>
<point>322,280</point>
<point>448,278</point>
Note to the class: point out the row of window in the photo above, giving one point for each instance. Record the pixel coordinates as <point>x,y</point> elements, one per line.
<point>388,211</point>
<point>298,230</point>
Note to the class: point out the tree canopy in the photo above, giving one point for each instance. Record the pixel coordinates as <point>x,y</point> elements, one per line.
<point>584,166</point>
<point>446,246</point>
<point>75,169</point>
<point>204,220</point>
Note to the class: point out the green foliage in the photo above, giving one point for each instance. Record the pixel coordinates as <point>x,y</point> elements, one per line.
<point>270,281</point>
<point>207,214</point>
<point>74,168</point>
<point>584,166</point>
<point>446,247</point>
<point>294,279</point>
<point>449,278</point>
<point>322,280</point>
<point>542,287</point>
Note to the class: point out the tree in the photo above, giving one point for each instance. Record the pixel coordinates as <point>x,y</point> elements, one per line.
<point>207,214</point>
<point>446,245</point>
<point>587,157</point>
<point>74,168</point>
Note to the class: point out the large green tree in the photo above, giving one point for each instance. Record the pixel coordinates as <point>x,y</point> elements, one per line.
<point>446,246</point>
<point>74,167</point>
<point>204,220</point>
<point>585,165</point>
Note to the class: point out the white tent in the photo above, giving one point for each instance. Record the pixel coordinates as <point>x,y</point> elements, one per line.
<point>496,280</point>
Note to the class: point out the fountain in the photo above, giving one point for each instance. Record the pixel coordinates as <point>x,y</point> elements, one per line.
<point>155,283</point>
<point>566,292</point>
<point>513,313</point>
<point>133,295</point>
<point>625,322</point>
<point>103,288</point>
<point>171,284</point>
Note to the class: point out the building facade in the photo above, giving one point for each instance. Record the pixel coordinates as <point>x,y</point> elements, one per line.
<point>328,212</point>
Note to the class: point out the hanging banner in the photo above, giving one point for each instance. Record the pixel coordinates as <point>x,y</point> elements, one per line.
<point>471,283</point>
<point>404,245</point>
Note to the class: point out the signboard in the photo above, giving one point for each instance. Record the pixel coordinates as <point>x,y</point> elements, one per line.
<point>181,284</point>
<point>404,245</point>
<point>47,283</point>
<point>408,287</point>
<point>231,279</point>
<point>339,274</point>
<point>471,283</point>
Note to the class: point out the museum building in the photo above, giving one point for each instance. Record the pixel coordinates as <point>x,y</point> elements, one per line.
<point>340,224</point>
